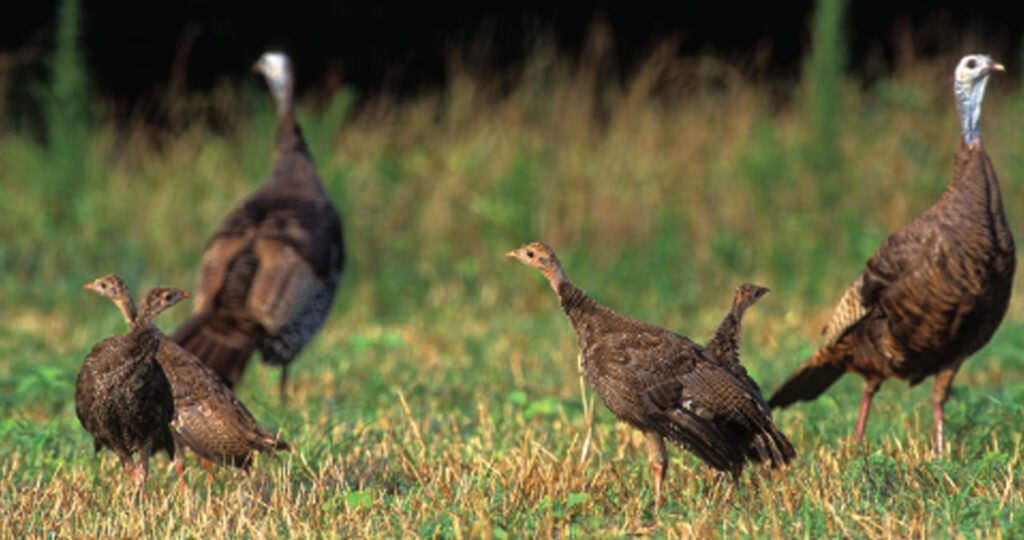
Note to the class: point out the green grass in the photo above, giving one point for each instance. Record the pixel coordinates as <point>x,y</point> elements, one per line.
<point>442,398</point>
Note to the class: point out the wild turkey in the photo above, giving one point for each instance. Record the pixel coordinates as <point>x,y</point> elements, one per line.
<point>664,384</point>
<point>934,292</point>
<point>269,272</point>
<point>122,397</point>
<point>208,418</point>
<point>725,344</point>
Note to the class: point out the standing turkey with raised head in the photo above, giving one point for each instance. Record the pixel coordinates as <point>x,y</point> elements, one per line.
<point>934,292</point>
<point>122,397</point>
<point>270,271</point>
<point>664,384</point>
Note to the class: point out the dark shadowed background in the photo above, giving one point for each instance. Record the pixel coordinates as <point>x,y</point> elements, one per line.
<point>132,47</point>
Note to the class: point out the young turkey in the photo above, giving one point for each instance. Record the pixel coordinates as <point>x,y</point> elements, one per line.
<point>208,418</point>
<point>122,397</point>
<point>934,292</point>
<point>270,271</point>
<point>725,344</point>
<point>664,384</point>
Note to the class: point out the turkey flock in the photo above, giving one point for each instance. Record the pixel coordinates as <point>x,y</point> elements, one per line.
<point>930,296</point>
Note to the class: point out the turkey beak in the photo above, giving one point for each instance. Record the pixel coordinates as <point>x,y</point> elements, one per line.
<point>88,287</point>
<point>258,66</point>
<point>997,67</point>
<point>185,294</point>
<point>514,254</point>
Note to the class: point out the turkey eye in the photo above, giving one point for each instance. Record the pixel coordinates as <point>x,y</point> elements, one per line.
<point>971,64</point>
<point>167,297</point>
<point>529,254</point>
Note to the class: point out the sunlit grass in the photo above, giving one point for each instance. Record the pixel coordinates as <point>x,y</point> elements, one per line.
<point>442,398</point>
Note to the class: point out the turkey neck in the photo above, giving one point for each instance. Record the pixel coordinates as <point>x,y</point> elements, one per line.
<point>729,328</point>
<point>732,322</point>
<point>292,166</point>
<point>127,307</point>
<point>968,102</point>
<point>282,88</point>
<point>582,312</point>
<point>292,171</point>
<point>144,320</point>
<point>289,136</point>
<point>974,190</point>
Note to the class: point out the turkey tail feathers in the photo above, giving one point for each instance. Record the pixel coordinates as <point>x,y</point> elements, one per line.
<point>808,381</point>
<point>221,341</point>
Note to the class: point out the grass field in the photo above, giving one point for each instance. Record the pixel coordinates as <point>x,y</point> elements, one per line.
<point>442,398</point>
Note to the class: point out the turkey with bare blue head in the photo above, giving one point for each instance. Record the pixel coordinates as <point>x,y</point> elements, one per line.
<point>269,273</point>
<point>934,292</point>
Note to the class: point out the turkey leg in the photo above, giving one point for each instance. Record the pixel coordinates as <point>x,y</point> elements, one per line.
<point>657,458</point>
<point>940,393</point>
<point>870,388</point>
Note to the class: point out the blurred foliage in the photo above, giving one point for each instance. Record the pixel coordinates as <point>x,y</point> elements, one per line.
<point>67,120</point>
<point>825,102</point>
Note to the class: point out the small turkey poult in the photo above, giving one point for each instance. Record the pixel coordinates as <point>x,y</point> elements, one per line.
<point>122,397</point>
<point>667,386</point>
<point>269,273</point>
<point>208,418</point>
<point>934,292</point>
